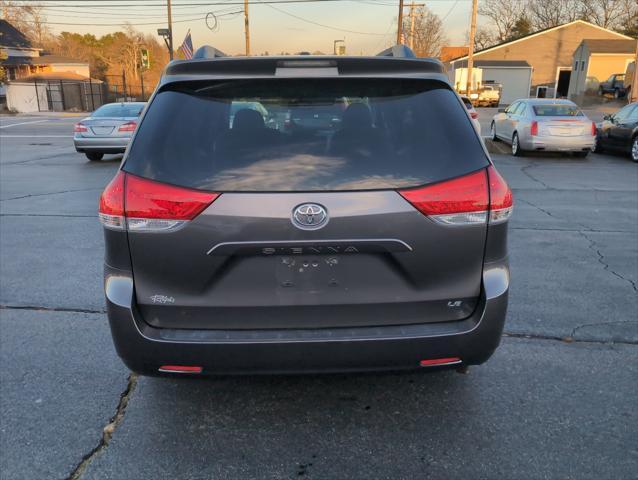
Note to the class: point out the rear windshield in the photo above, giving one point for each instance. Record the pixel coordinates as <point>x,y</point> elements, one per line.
<point>305,135</point>
<point>557,111</point>
<point>119,110</point>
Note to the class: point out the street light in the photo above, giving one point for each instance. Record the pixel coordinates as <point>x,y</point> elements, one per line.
<point>166,34</point>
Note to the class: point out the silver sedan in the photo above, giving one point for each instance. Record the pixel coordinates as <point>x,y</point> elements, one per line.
<point>544,124</point>
<point>108,130</point>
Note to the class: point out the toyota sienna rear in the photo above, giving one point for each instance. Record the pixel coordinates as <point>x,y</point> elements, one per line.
<point>305,214</point>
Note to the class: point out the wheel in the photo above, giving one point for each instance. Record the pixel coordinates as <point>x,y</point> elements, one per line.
<point>581,154</point>
<point>616,94</point>
<point>517,151</point>
<point>601,92</point>
<point>634,149</point>
<point>493,132</point>
<point>94,156</point>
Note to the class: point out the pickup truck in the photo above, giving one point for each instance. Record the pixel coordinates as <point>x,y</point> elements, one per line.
<point>488,96</point>
<point>614,85</point>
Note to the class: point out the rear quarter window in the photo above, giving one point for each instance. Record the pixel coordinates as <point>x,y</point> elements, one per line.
<point>305,135</point>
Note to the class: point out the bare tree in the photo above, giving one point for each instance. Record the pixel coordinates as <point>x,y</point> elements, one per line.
<point>551,13</point>
<point>483,38</point>
<point>502,15</point>
<point>429,35</point>
<point>605,13</point>
<point>28,18</point>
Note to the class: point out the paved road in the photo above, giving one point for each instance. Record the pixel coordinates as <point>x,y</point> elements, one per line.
<point>557,400</point>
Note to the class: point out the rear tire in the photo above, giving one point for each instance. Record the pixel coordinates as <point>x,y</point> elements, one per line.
<point>517,151</point>
<point>493,133</point>
<point>597,148</point>
<point>94,156</point>
<point>616,94</point>
<point>633,154</point>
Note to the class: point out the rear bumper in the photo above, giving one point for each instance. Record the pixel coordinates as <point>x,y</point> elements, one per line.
<point>144,348</point>
<point>101,144</point>
<point>560,144</point>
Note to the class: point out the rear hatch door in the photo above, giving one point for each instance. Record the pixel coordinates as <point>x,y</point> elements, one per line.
<point>309,231</point>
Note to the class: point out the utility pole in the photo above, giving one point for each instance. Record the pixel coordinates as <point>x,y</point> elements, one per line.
<point>633,93</point>
<point>400,23</point>
<point>170,30</point>
<point>411,42</point>
<point>470,53</point>
<point>246,27</point>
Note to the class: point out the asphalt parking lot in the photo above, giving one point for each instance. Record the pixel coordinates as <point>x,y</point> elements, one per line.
<point>557,400</point>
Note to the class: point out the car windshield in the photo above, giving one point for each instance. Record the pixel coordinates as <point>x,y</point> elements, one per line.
<point>119,110</point>
<point>319,134</point>
<point>558,110</point>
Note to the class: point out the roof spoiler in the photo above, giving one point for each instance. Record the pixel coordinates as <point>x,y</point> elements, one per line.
<point>397,51</point>
<point>208,52</point>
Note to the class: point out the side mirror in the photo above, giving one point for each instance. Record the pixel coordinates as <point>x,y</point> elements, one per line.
<point>501,110</point>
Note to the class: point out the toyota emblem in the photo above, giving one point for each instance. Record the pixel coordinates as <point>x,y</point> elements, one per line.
<point>309,216</point>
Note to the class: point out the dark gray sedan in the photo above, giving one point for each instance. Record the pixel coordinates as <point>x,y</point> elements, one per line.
<point>108,130</point>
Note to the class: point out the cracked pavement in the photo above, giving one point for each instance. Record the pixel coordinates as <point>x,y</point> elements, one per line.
<point>557,400</point>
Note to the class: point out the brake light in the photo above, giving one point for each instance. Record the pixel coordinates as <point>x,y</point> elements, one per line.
<point>127,127</point>
<point>593,129</point>
<point>461,201</point>
<point>474,115</point>
<point>79,127</point>
<point>465,200</point>
<point>138,204</point>
<point>533,131</point>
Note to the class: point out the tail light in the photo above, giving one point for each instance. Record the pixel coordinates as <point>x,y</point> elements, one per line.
<point>474,115</point>
<point>501,198</point>
<point>79,127</point>
<point>466,200</point>
<point>593,129</point>
<point>127,127</point>
<point>142,205</point>
<point>533,131</point>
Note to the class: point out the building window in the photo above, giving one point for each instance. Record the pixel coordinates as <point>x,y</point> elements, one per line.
<point>582,66</point>
<point>11,73</point>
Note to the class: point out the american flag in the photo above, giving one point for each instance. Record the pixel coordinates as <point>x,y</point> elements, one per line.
<point>187,46</point>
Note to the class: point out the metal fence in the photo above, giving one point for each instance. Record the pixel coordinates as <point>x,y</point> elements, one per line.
<point>69,95</point>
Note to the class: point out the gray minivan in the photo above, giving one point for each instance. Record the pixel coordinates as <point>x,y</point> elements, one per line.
<point>374,242</point>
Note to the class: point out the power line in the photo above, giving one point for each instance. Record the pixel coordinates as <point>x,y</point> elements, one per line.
<point>124,22</point>
<point>269,4</point>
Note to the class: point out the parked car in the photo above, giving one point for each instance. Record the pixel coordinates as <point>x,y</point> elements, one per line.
<point>614,85</point>
<point>619,132</point>
<point>108,130</point>
<point>544,124</point>
<point>472,112</point>
<point>255,250</point>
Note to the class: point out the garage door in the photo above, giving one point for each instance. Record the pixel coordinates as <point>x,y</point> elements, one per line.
<point>515,81</point>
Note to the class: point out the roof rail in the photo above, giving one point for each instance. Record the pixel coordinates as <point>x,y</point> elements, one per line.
<point>397,51</point>
<point>208,52</point>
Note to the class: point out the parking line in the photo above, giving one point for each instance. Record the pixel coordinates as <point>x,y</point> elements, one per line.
<point>23,123</point>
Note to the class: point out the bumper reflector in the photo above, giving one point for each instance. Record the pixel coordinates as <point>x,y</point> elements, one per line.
<point>439,361</point>
<point>180,369</point>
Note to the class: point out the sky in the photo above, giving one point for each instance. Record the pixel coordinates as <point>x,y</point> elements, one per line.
<point>273,28</point>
